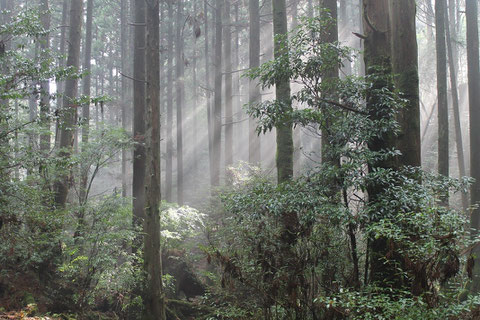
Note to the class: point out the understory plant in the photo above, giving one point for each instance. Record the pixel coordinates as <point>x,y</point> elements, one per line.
<point>306,248</point>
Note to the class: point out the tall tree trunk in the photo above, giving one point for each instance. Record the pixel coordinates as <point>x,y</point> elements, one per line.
<point>294,13</point>
<point>60,83</point>
<point>378,63</point>
<point>329,9</point>
<point>284,139</point>
<point>124,58</point>
<point>254,96</point>
<point>405,68</point>
<point>217,108</point>
<point>474,106</point>
<point>195,99</point>
<point>404,57</point>
<point>208,93</point>
<point>237,102</point>
<point>86,92</point>
<point>180,88</point>
<point>345,22</point>
<point>45,85</point>
<point>451,22</point>
<point>69,110</point>
<point>443,168</point>
<point>456,107</point>
<point>138,184</point>
<point>169,153</point>
<point>33,112</point>
<point>284,157</point>
<point>155,298</point>
<point>330,36</point>
<point>227,31</point>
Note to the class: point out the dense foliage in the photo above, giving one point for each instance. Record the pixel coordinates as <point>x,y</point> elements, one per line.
<point>301,250</point>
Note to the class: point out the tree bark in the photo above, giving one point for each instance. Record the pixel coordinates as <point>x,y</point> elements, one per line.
<point>69,110</point>
<point>155,298</point>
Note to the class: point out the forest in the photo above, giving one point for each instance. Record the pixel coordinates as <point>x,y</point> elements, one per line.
<point>239,159</point>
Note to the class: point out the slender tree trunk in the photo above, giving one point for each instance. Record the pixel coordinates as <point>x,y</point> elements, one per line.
<point>138,184</point>
<point>474,106</point>
<point>60,84</point>
<point>45,85</point>
<point>294,13</point>
<point>123,45</point>
<point>451,20</point>
<point>195,100</point>
<point>228,88</point>
<point>169,154</point>
<point>456,107</point>
<point>69,110</point>
<point>345,21</point>
<point>217,109</point>
<point>282,90</point>
<point>208,94</point>
<point>155,298</point>
<point>331,36</point>
<point>180,88</point>
<point>405,68</point>
<point>329,9</point>
<point>443,167</point>
<point>430,14</point>
<point>32,114</point>
<point>254,96</point>
<point>237,103</point>
<point>86,92</point>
